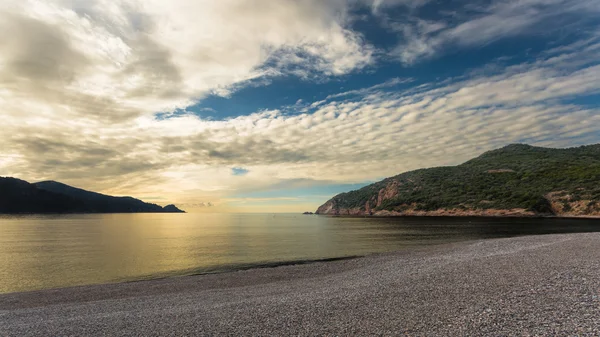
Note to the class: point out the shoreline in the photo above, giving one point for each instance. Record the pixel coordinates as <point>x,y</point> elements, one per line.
<point>486,216</point>
<point>432,215</point>
<point>549,282</point>
<point>226,269</point>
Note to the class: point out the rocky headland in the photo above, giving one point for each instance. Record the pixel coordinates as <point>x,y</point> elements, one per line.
<point>517,180</point>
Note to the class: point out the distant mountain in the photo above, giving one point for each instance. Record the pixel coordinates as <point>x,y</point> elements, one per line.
<point>516,180</point>
<point>19,196</point>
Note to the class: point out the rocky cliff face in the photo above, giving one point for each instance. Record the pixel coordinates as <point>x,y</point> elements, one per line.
<point>370,207</point>
<point>331,208</point>
<point>561,203</point>
<point>390,192</point>
<point>517,180</point>
<point>565,204</point>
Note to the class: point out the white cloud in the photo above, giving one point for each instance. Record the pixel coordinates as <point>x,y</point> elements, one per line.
<point>122,59</point>
<point>380,134</point>
<point>80,82</point>
<point>364,91</point>
<point>423,39</point>
<point>378,6</point>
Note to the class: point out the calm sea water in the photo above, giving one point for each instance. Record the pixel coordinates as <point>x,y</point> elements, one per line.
<point>38,252</point>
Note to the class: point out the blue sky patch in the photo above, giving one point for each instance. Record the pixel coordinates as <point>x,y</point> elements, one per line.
<point>238,171</point>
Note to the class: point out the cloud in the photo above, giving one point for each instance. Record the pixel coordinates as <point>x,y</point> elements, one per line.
<point>375,132</point>
<point>198,205</point>
<point>485,23</point>
<point>378,6</point>
<point>120,60</point>
<point>83,109</point>
<point>364,91</point>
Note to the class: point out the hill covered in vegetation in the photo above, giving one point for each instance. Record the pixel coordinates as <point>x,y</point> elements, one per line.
<point>18,197</point>
<point>516,180</point>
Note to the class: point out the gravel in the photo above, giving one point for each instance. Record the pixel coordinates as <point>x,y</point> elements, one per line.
<point>526,286</point>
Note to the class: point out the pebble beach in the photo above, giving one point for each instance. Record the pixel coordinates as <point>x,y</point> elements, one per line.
<point>545,285</point>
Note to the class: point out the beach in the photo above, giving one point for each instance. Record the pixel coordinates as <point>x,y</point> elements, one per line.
<point>523,286</point>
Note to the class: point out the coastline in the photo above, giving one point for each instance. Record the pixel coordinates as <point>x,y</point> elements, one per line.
<point>534,285</point>
<point>474,216</point>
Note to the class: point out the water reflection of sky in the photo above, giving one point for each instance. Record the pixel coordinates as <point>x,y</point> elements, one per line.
<point>56,251</point>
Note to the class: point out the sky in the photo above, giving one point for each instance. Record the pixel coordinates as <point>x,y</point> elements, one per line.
<point>276,106</point>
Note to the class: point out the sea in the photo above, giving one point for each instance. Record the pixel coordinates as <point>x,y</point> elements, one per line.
<point>54,251</point>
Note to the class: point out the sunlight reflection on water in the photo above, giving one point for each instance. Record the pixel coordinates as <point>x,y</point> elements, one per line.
<point>38,252</point>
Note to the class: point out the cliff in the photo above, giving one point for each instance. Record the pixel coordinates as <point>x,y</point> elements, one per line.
<point>516,180</point>
<point>18,196</point>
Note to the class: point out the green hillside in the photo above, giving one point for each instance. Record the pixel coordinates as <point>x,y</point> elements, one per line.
<point>536,179</point>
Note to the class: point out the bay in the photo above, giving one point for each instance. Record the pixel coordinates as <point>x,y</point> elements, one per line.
<point>51,251</point>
